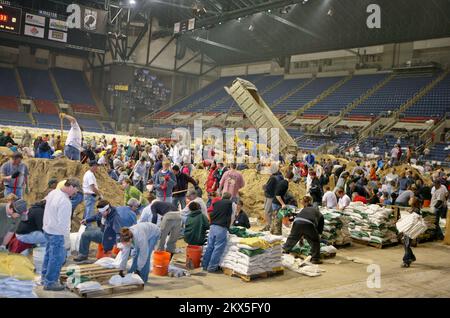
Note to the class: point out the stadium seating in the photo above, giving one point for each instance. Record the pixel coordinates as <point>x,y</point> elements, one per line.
<point>434,104</point>
<point>271,96</point>
<point>90,125</point>
<point>8,84</point>
<point>347,93</point>
<point>305,95</point>
<point>8,117</point>
<point>202,93</point>
<point>75,90</point>
<point>391,96</point>
<point>37,84</point>
<point>45,106</point>
<point>50,121</point>
<point>9,103</point>
<point>438,152</point>
<point>108,128</point>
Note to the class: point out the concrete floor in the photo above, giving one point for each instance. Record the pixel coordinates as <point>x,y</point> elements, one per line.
<point>428,277</point>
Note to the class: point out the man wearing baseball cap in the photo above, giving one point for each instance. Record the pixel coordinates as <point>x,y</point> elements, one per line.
<point>56,225</point>
<point>10,216</point>
<point>14,175</point>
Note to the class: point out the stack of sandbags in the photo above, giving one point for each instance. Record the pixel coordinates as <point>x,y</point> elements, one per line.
<point>303,248</point>
<point>371,223</point>
<point>252,255</point>
<point>335,230</point>
<point>16,276</point>
<point>411,225</point>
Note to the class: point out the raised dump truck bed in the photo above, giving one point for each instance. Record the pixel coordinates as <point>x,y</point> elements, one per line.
<point>259,114</point>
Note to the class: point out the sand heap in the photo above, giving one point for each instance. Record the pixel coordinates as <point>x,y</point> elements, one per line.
<point>252,194</point>
<point>42,170</point>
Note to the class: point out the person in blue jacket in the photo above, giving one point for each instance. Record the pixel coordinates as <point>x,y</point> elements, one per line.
<point>45,151</point>
<point>107,231</point>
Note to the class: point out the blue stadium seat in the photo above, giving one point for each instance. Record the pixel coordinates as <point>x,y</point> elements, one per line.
<point>347,93</point>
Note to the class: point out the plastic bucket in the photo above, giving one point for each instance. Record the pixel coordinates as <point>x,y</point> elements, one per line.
<point>38,259</point>
<point>101,252</point>
<point>160,262</point>
<point>193,256</point>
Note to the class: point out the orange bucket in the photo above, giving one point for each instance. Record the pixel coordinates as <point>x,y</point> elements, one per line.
<point>101,252</point>
<point>426,203</point>
<point>160,263</point>
<point>193,255</point>
<point>115,250</point>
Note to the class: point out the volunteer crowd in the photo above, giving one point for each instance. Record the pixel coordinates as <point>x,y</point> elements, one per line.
<point>163,202</point>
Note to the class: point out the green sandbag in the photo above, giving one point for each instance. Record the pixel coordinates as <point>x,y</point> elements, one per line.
<point>251,253</point>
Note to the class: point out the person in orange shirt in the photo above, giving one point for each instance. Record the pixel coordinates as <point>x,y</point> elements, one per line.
<point>373,173</point>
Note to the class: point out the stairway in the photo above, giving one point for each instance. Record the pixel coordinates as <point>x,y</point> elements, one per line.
<point>55,86</point>
<point>292,92</point>
<point>366,95</point>
<point>19,83</point>
<point>98,102</point>
<point>324,95</point>
<point>423,92</point>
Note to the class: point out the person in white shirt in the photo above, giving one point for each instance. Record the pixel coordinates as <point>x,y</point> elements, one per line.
<point>329,199</point>
<point>90,189</point>
<point>72,148</point>
<point>56,225</point>
<point>439,204</point>
<point>344,200</point>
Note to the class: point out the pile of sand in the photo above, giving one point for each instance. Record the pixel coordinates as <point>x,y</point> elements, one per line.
<point>403,168</point>
<point>252,194</point>
<point>42,170</point>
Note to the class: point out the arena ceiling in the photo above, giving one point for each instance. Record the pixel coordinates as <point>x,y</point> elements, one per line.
<point>242,31</point>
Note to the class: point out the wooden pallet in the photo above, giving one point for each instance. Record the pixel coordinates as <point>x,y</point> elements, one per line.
<point>249,278</point>
<point>109,290</point>
<point>376,245</point>
<point>92,272</point>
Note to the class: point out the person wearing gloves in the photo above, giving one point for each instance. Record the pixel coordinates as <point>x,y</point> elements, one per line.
<point>14,175</point>
<point>164,182</point>
<point>10,216</point>
<point>143,238</point>
<point>90,189</point>
<point>107,230</point>
<point>182,181</point>
<point>309,224</point>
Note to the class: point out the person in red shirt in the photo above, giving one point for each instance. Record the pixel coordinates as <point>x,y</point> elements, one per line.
<point>211,184</point>
<point>359,198</point>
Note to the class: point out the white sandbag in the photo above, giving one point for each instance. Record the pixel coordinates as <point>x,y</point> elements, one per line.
<point>75,239</point>
<point>89,286</point>
<point>106,262</point>
<point>129,279</point>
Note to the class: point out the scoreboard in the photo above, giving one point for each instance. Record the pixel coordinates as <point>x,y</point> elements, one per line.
<point>10,19</point>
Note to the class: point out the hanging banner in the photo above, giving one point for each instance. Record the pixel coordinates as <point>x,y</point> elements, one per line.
<point>34,19</point>
<point>35,31</point>
<point>58,25</point>
<point>56,35</point>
